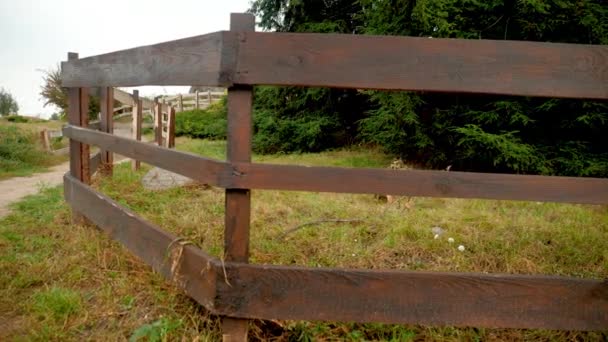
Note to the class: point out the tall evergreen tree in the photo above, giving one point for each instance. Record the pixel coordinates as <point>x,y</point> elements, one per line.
<point>469,132</point>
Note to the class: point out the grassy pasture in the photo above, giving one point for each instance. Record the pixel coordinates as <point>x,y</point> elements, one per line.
<point>21,152</point>
<point>65,282</point>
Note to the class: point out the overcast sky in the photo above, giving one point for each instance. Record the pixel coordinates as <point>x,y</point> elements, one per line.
<point>37,35</point>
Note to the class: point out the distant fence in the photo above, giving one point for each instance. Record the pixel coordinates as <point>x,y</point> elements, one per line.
<point>190,101</point>
<point>239,59</point>
<point>134,106</point>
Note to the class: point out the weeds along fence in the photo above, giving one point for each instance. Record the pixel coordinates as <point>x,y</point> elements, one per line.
<point>240,58</point>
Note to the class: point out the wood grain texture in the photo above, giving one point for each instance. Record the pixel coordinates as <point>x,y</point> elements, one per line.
<point>95,162</point>
<point>185,265</point>
<point>194,60</point>
<point>420,183</point>
<point>106,124</point>
<point>136,121</point>
<point>238,201</point>
<point>170,142</point>
<point>429,298</point>
<point>158,123</point>
<point>204,170</point>
<point>423,64</point>
<point>239,175</point>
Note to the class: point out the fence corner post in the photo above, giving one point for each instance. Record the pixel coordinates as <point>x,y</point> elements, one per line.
<point>78,111</point>
<point>238,201</point>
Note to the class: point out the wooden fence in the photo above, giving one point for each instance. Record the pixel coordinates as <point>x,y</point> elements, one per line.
<point>241,58</point>
<point>190,101</point>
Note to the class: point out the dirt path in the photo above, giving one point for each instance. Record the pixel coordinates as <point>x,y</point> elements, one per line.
<point>14,189</point>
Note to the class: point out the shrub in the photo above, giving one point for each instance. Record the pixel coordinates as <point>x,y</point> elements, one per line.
<point>207,123</point>
<point>17,118</point>
<point>291,119</point>
<point>19,150</point>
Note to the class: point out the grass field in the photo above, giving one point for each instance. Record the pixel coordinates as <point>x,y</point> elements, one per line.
<point>64,282</point>
<point>21,152</point>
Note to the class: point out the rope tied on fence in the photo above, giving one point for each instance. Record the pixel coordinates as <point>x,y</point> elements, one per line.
<point>175,255</point>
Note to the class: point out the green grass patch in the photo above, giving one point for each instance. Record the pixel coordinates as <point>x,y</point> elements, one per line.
<point>119,298</point>
<point>21,153</point>
<point>56,303</point>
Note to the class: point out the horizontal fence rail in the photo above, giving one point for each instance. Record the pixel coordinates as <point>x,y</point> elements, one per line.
<point>355,61</point>
<point>241,58</point>
<point>271,292</point>
<point>188,61</point>
<point>204,170</point>
<point>349,180</point>
<point>147,241</point>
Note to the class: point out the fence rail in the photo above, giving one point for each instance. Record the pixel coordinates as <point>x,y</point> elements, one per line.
<point>241,58</point>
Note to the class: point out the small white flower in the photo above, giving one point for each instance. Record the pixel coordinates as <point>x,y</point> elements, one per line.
<point>436,236</point>
<point>451,240</point>
<point>354,254</point>
<point>461,248</point>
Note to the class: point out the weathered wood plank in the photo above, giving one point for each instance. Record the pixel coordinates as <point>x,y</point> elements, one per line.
<point>204,170</point>
<point>194,60</point>
<point>136,125</point>
<point>78,100</point>
<point>429,298</point>
<point>170,142</point>
<point>238,201</point>
<point>187,266</point>
<point>408,63</point>
<point>94,163</point>
<point>106,124</point>
<point>421,183</point>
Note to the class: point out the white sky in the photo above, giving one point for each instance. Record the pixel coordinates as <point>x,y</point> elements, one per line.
<point>37,35</point>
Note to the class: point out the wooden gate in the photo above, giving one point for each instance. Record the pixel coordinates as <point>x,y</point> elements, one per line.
<point>241,58</point>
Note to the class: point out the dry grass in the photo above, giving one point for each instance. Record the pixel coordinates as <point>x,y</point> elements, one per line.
<point>106,294</point>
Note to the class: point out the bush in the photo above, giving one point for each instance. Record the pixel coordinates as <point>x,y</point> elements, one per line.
<point>17,118</point>
<point>291,119</point>
<point>19,150</point>
<point>210,123</point>
<point>467,132</point>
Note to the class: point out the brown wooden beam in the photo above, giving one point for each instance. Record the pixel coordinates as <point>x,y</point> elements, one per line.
<point>106,124</point>
<point>421,183</point>
<point>78,108</point>
<point>423,64</point>
<point>136,125</point>
<point>184,264</point>
<point>94,163</point>
<point>204,170</point>
<point>194,60</point>
<point>299,293</point>
<point>238,201</point>
<point>241,175</point>
<point>428,298</point>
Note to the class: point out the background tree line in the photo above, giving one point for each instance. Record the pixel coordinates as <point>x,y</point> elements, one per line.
<point>469,132</point>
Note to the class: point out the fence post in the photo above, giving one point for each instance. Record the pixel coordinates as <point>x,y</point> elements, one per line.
<point>180,103</point>
<point>78,110</point>
<point>209,96</point>
<point>196,100</point>
<point>238,201</point>
<point>158,122</point>
<point>136,130</point>
<point>170,142</point>
<point>44,139</point>
<point>106,124</point>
